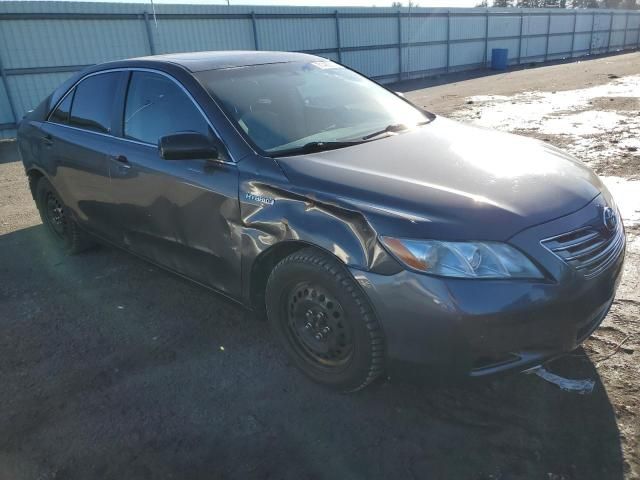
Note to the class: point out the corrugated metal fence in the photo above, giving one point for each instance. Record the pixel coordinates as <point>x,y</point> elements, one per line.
<point>42,43</point>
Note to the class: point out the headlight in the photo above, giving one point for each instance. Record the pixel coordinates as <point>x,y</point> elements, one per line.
<point>462,259</point>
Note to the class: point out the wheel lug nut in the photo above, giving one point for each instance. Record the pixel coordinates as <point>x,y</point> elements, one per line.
<point>326,330</point>
<point>319,336</point>
<point>308,326</point>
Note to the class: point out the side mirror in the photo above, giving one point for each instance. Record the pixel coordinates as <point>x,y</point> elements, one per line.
<point>188,146</point>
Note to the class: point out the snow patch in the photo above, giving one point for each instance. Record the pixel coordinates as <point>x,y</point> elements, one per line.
<point>586,127</point>
<point>626,193</point>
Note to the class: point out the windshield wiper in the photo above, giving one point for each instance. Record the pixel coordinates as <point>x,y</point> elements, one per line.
<point>313,147</point>
<point>395,127</point>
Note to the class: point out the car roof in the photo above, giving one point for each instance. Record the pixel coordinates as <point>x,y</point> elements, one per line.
<point>201,61</point>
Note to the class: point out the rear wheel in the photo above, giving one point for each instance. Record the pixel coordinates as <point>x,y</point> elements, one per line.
<point>324,321</point>
<point>56,219</point>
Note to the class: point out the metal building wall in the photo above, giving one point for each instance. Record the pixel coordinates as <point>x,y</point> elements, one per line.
<point>42,43</point>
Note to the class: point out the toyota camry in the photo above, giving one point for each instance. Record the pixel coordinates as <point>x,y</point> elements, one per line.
<point>373,235</point>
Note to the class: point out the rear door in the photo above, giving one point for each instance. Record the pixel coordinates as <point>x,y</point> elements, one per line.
<point>78,142</point>
<point>182,214</point>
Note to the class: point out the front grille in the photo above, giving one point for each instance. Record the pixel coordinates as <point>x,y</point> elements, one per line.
<point>589,250</point>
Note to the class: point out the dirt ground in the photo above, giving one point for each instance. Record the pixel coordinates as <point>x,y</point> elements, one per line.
<point>111,368</point>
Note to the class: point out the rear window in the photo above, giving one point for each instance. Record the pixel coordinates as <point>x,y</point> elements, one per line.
<point>93,103</point>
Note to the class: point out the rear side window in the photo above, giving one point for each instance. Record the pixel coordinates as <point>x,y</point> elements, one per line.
<point>156,107</point>
<point>93,102</point>
<point>61,114</point>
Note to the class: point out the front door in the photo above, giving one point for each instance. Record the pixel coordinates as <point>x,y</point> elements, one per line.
<point>181,214</point>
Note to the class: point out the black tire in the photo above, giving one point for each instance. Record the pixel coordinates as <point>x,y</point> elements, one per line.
<point>309,292</point>
<point>57,220</point>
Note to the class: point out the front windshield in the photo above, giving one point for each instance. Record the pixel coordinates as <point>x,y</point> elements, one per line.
<point>285,106</point>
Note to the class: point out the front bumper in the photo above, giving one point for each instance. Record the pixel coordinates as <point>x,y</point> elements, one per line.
<point>484,327</point>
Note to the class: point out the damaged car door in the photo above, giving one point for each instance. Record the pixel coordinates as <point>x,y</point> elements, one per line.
<point>178,213</point>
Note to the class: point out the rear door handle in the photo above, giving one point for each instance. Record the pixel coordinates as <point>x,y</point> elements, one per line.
<point>47,140</point>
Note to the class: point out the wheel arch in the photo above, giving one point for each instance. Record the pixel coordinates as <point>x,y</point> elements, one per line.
<point>264,263</point>
<point>34,174</point>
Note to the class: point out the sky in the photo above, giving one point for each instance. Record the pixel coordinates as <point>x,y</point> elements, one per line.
<point>315,3</point>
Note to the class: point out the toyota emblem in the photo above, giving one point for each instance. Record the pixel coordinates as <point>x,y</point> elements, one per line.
<point>609,218</point>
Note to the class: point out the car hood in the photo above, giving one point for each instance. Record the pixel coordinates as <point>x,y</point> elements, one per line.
<point>448,180</point>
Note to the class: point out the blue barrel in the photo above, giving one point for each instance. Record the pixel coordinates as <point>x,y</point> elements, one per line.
<point>499,58</point>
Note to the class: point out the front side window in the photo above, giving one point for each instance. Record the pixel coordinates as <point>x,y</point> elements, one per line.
<point>93,102</point>
<point>282,107</point>
<point>156,107</point>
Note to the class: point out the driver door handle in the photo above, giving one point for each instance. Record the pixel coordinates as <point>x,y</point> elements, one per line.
<point>120,158</point>
<point>121,166</point>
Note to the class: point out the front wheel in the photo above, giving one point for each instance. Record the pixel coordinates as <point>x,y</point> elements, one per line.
<point>324,321</point>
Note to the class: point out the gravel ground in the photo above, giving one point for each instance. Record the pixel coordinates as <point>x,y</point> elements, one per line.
<point>112,368</point>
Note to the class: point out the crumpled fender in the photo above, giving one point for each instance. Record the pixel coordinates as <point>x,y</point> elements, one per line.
<point>274,211</point>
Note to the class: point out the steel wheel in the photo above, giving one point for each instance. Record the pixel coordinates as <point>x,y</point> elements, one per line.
<point>324,321</point>
<point>317,326</point>
<point>54,216</point>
